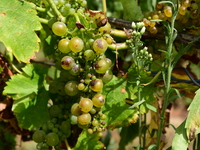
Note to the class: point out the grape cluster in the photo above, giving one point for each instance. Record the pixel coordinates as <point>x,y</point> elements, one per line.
<point>70,6</point>
<point>84,69</point>
<point>188,16</point>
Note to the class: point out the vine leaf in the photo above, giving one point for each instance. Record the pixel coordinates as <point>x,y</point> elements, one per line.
<point>115,106</point>
<point>193,120</point>
<point>88,141</point>
<point>18,23</point>
<point>29,91</point>
<point>180,140</point>
<point>132,10</point>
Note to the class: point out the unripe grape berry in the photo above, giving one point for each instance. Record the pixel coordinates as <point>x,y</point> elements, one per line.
<point>71,88</point>
<point>85,104</point>
<point>39,136</point>
<point>59,28</point>
<point>75,110</point>
<point>76,44</point>
<point>101,66</point>
<point>54,111</point>
<point>98,100</point>
<point>63,46</point>
<point>96,85</point>
<point>100,45</point>
<point>89,54</point>
<point>84,119</point>
<point>67,62</point>
<point>52,139</point>
<point>106,28</point>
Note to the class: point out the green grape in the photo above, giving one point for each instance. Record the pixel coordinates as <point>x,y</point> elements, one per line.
<point>66,76</point>
<point>168,11</point>
<point>55,130</point>
<point>194,6</point>
<point>85,104</point>
<point>103,117</point>
<point>98,100</point>
<point>50,125</point>
<point>90,131</point>
<point>59,28</point>
<point>81,86</point>
<point>45,128</point>
<point>54,111</point>
<point>75,70</point>
<point>73,119</point>
<point>107,76</point>
<point>194,14</point>
<point>93,111</point>
<point>106,28</point>
<point>52,139</point>
<point>100,45</point>
<point>89,54</point>
<point>101,66</point>
<point>67,62</point>
<point>72,10</point>
<point>65,128</point>
<point>96,85</point>
<point>95,123</point>
<point>54,120</point>
<point>76,44</point>
<point>63,46</point>
<point>75,110</point>
<point>84,119</point>
<point>71,88</point>
<point>39,136</point>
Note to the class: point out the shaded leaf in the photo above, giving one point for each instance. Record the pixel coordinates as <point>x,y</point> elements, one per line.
<point>18,23</point>
<point>30,96</point>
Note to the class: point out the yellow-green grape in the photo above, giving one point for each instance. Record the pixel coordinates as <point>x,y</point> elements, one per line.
<point>90,131</point>
<point>182,10</point>
<point>75,110</point>
<point>96,85</point>
<point>84,119</point>
<point>67,62</point>
<point>194,6</point>
<point>186,3</point>
<point>85,104</point>
<point>98,100</point>
<point>101,66</point>
<point>63,46</point>
<point>71,88</point>
<point>106,28</point>
<point>95,122</point>
<point>81,86</point>
<point>100,45</point>
<point>89,54</point>
<point>76,44</point>
<point>162,16</point>
<point>194,14</point>
<point>59,28</point>
<point>168,11</point>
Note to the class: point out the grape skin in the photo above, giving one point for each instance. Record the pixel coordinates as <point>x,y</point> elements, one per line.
<point>59,28</point>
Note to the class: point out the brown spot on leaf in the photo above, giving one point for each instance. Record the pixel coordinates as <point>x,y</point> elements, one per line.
<point>4,14</point>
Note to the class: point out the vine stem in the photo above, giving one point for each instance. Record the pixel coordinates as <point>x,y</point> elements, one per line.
<point>56,11</point>
<point>104,6</point>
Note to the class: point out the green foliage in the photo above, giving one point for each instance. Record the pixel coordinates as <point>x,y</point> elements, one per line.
<point>18,22</point>
<point>131,10</point>
<point>29,91</point>
<point>115,106</point>
<point>180,140</point>
<point>88,141</point>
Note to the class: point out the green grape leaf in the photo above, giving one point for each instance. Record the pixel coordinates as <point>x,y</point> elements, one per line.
<point>193,120</point>
<point>88,141</point>
<point>180,140</point>
<point>131,10</point>
<point>29,91</point>
<point>116,92</point>
<point>18,22</point>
